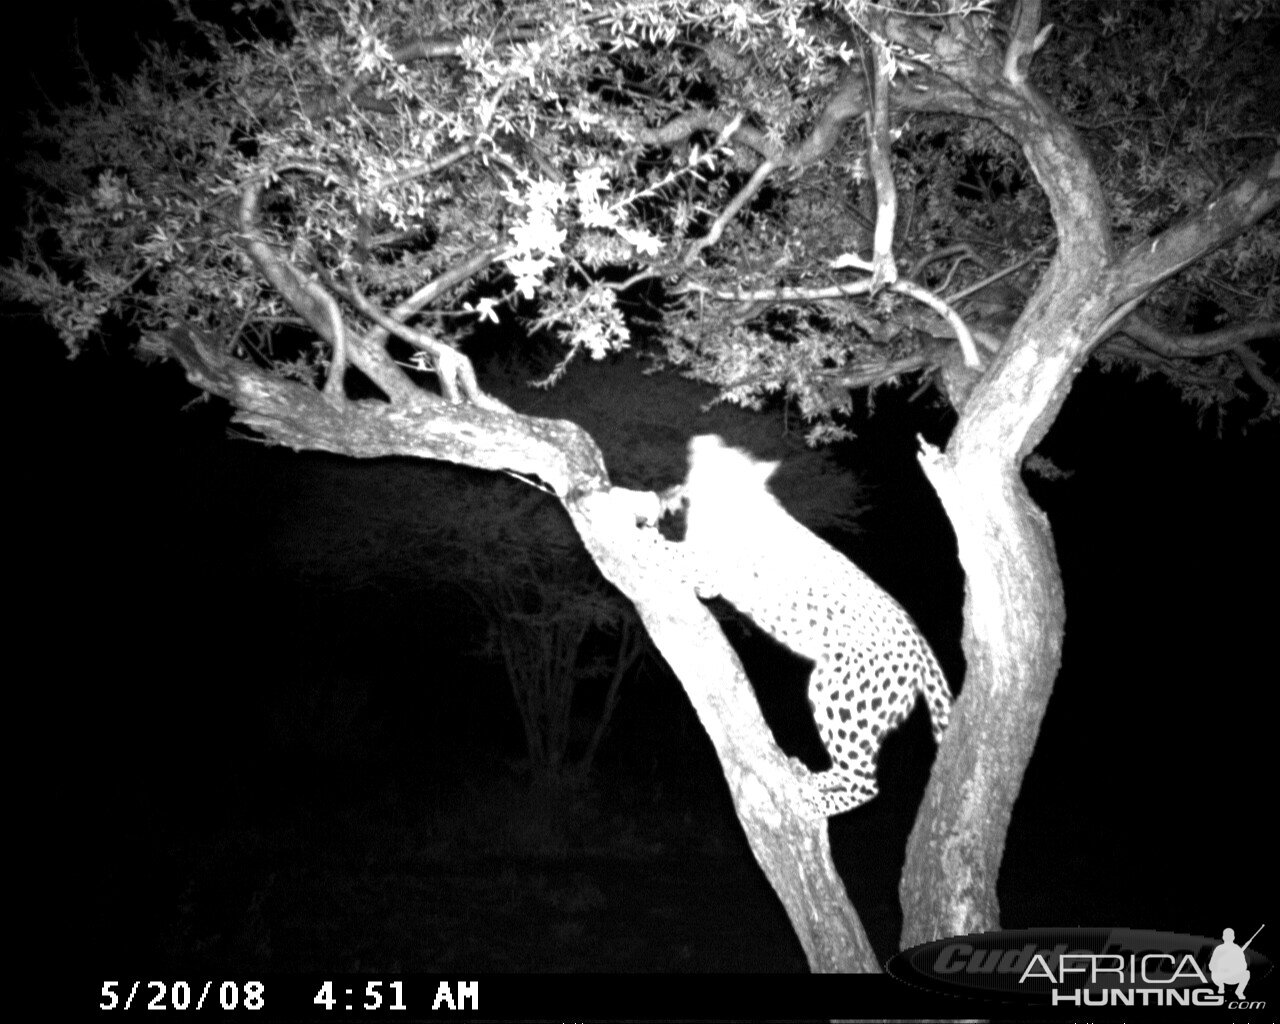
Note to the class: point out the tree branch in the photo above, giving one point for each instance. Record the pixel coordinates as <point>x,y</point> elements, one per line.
<point>1253,367</point>
<point>315,305</point>
<point>428,167</point>
<point>943,309</point>
<point>879,372</point>
<point>1195,346</point>
<point>782,294</point>
<point>1025,38</point>
<point>559,453</point>
<point>879,157</point>
<point>1136,272</point>
<point>1121,346</point>
<point>731,210</point>
<point>685,124</point>
<point>432,290</point>
<point>454,370</point>
<point>435,49</point>
<point>847,101</point>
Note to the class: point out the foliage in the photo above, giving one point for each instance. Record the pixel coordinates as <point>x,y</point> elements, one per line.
<point>565,640</point>
<point>561,636</point>
<point>400,139</point>
<point>1170,127</point>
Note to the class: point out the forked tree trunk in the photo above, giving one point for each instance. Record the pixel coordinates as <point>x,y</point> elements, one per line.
<point>1014,606</point>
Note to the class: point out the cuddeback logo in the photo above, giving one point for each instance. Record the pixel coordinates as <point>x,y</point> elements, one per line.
<point>1079,967</point>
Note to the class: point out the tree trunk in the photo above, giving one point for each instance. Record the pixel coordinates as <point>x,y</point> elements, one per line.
<point>1015,612</point>
<point>1014,607</point>
<point>1014,619</point>
<point>795,853</point>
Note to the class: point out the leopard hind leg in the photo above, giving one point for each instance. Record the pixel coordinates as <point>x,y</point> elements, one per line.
<point>851,780</point>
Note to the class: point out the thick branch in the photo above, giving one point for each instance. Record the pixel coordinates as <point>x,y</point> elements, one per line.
<point>1196,346</point>
<point>435,49</point>
<point>1025,38</point>
<point>1184,374</point>
<point>685,124</point>
<point>948,313</point>
<point>841,291</point>
<point>1014,608</point>
<point>885,271</point>
<point>781,294</point>
<point>559,453</point>
<point>1151,261</point>
<point>331,102</point>
<point>879,372</point>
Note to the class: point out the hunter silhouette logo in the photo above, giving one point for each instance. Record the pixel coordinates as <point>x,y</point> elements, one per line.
<point>1089,967</point>
<point>1227,965</point>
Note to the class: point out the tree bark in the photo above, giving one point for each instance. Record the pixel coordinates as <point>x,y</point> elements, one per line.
<point>1014,611</point>
<point>794,853</point>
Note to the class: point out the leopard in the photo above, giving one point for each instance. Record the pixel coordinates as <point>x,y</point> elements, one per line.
<point>870,661</point>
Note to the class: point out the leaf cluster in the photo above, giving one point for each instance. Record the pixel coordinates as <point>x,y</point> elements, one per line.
<point>586,156</point>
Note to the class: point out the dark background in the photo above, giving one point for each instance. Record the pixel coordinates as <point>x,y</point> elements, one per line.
<point>179,661</point>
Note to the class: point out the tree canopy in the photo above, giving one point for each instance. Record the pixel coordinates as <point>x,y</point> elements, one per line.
<point>696,172</point>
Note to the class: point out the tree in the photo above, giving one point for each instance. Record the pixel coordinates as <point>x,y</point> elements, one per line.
<point>557,628</point>
<point>310,205</point>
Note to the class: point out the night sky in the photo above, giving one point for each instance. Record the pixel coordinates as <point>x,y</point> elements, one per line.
<point>185,637</point>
